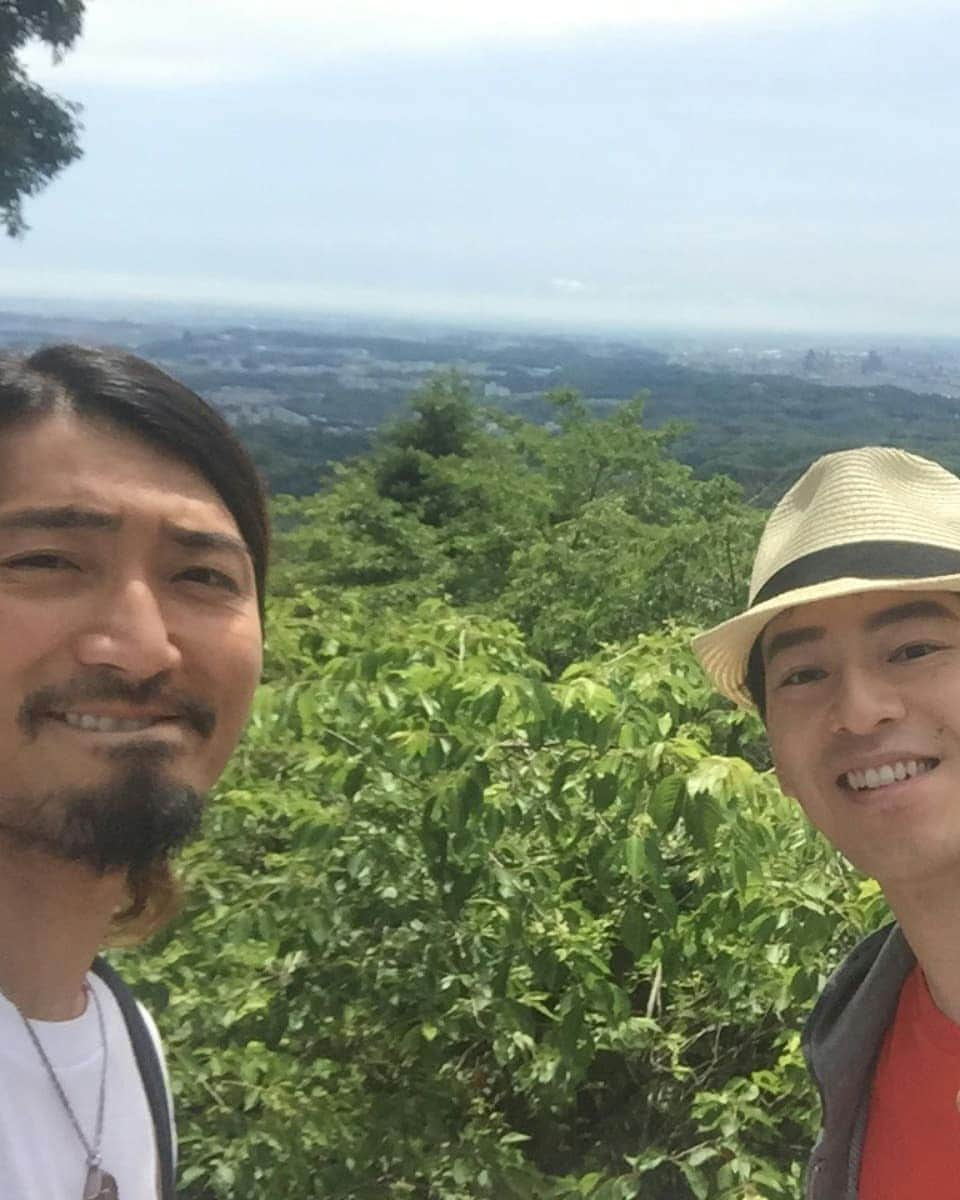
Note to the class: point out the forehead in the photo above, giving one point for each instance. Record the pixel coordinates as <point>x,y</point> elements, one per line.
<point>64,459</point>
<point>862,610</point>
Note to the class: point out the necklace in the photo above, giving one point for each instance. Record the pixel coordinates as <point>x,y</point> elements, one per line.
<point>99,1184</point>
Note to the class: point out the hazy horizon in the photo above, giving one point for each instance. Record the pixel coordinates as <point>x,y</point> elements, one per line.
<point>188,314</point>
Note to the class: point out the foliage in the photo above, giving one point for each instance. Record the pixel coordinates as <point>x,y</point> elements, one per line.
<point>524,520</point>
<point>298,460</point>
<point>443,421</point>
<point>497,899</point>
<point>459,930</point>
<point>38,132</point>
<point>623,512</point>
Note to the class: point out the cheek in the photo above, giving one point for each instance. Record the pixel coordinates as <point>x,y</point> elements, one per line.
<point>31,638</point>
<point>795,767</point>
<point>238,670</point>
<point>785,778</point>
<point>28,628</point>
<point>234,676</point>
<point>788,755</point>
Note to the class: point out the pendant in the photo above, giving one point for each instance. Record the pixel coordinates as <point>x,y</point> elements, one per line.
<point>100,1185</point>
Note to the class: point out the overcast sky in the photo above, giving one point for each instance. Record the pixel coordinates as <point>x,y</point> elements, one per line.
<point>678,163</point>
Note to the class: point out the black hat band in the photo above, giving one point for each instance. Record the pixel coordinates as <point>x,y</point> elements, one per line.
<point>861,560</point>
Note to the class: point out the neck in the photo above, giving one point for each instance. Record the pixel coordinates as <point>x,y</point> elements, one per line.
<point>929,914</point>
<point>54,917</point>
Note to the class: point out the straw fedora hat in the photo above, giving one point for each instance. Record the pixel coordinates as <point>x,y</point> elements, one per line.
<point>862,520</point>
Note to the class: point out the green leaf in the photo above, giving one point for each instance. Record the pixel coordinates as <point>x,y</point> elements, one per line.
<point>604,791</point>
<point>665,802</point>
<point>702,816</point>
<point>635,930</point>
<point>696,1180</point>
<point>564,771</point>
<point>635,857</point>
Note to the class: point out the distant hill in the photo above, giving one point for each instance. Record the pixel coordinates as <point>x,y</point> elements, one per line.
<point>762,429</point>
<point>307,397</point>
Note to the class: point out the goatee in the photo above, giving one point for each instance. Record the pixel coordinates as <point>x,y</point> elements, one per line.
<point>131,822</point>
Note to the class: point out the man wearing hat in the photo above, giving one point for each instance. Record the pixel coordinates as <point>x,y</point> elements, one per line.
<point>850,650</point>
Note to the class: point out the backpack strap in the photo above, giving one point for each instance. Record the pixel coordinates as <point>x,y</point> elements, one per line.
<point>151,1072</point>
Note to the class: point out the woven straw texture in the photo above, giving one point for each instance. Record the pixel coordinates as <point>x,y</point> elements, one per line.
<point>875,493</point>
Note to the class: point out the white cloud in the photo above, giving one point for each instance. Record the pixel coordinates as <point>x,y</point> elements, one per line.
<point>569,287</point>
<point>141,42</point>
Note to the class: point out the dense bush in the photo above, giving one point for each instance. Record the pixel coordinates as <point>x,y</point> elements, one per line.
<point>581,534</point>
<point>497,898</point>
<point>457,931</point>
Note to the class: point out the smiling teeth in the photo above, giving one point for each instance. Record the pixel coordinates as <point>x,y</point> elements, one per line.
<point>107,724</point>
<point>876,777</point>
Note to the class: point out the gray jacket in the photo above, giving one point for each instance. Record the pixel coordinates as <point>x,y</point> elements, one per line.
<point>841,1042</point>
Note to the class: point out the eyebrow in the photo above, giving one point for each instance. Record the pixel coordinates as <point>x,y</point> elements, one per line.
<point>207,539</point>
<point>792,637</point>
<point>70,516</point>
<point>907,612</point>
<point>911,610</point>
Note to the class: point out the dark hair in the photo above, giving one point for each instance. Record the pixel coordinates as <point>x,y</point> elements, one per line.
<point>114,386</point>
<point>756,682</point>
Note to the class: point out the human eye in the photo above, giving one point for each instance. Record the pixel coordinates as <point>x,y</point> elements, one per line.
<point>210,577</point>
<point>46,560</point>
<point>913,650</point>
<point>801,676</point>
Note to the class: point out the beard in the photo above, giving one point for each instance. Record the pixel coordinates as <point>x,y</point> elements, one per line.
<point>129,823</point>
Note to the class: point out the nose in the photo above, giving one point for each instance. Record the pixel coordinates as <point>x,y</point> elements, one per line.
<point>862,701</point>
<point>129,632</point>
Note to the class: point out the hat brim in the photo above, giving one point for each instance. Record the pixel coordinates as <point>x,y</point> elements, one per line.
<point>725,649</point>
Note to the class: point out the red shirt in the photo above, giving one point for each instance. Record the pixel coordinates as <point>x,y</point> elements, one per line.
<point>912,1147</point>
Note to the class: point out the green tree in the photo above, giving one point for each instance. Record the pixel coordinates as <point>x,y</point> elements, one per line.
<point>582,532</point>
<point>444,424</point>
<point>38,131</point>
<point>444,420</point>
<point>458,932</point>
<point>352,539</point>
<point>497,898</point>
<point>632,537</point>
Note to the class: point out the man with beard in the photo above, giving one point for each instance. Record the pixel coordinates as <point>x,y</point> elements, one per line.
<point>133,548</point>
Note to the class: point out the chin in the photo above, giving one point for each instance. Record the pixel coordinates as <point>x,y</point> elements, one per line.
<point>129,822</point>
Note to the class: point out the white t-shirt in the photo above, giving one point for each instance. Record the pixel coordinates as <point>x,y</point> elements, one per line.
<point>40,1153</point>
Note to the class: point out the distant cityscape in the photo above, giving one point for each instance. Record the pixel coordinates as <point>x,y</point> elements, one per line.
<point>297,376</point>
<point>934,367</point>
<point>347,378</point>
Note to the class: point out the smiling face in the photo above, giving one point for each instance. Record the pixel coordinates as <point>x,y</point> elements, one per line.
<point>863,715</point>
<point>130,641</point>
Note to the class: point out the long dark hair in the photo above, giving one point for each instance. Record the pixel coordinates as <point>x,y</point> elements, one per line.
<point>128,392</point>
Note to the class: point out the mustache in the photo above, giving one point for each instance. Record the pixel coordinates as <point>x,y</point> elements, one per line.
<point>106,685</point>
